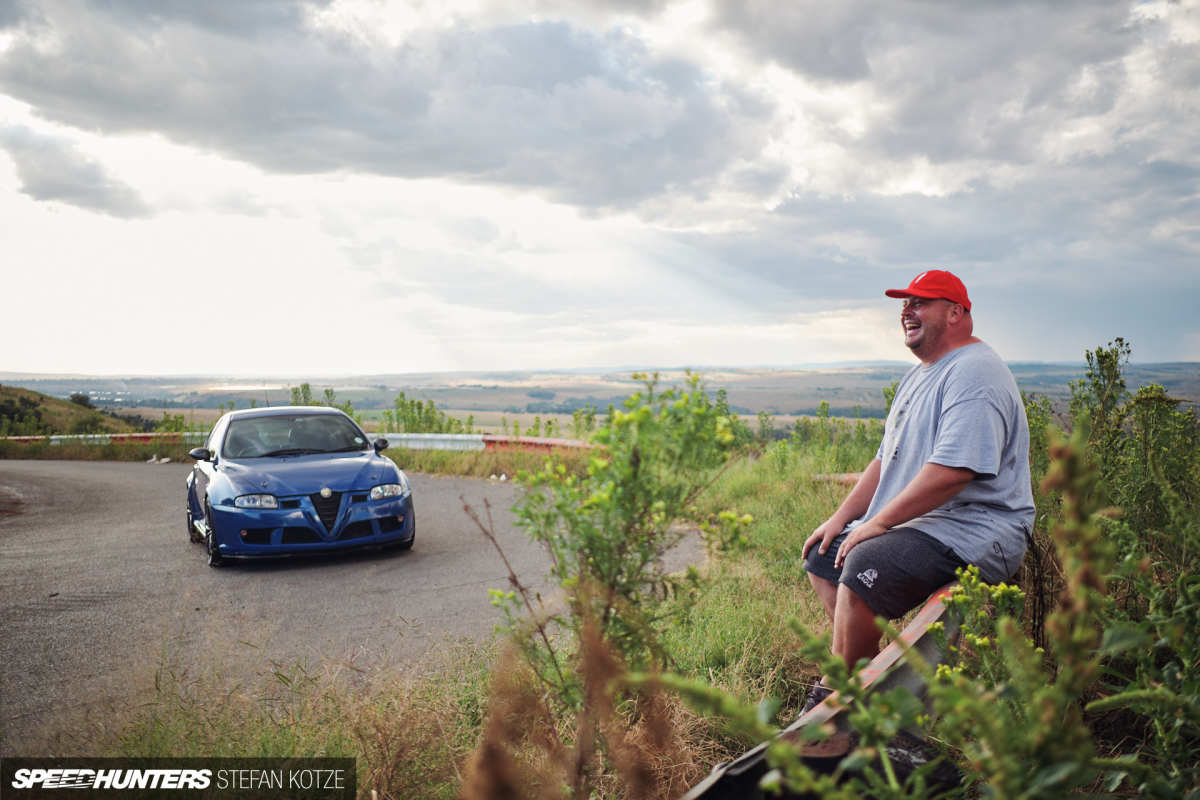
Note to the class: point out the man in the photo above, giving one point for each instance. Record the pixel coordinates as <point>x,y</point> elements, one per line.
<point>948,487</point>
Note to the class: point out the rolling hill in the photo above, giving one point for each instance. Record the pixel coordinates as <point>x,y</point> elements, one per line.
<point>24,412</point>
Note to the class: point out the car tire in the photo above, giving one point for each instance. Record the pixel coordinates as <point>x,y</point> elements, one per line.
<point>193,535</point>
<point>210,540</point>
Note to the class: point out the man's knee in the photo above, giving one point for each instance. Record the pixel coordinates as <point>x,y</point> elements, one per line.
<point>826,591</point>
<point>819,583</point>
<point>853,604</point>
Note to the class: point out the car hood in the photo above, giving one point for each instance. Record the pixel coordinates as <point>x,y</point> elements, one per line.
<point>341,472</point>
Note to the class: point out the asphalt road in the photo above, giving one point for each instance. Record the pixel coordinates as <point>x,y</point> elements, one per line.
<point>99,588</point>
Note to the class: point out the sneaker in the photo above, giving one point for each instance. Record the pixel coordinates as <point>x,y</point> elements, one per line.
<point>816,696</point>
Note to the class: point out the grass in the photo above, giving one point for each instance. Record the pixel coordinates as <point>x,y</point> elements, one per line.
<point>94,452</point>
<point>735,634</point>
<point>410,735</point>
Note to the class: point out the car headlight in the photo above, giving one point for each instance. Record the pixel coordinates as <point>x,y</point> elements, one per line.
<point>385,490</point>
<point>256,501</point>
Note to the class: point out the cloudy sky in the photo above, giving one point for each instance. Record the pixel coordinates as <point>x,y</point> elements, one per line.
<point>262,187</point>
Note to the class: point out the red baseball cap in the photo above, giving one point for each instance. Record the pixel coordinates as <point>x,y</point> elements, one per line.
<point>935,284</point>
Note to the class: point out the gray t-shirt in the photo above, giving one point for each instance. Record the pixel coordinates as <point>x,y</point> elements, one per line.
<point>964,410</point>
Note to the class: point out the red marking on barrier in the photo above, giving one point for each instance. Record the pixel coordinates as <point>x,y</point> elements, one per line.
<point>530,443</point>
<point>27,439</point>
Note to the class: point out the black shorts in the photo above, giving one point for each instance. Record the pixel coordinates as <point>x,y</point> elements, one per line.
<point>892,573</point>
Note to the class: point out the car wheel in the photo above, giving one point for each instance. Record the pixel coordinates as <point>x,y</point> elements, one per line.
<point>210,539</point>
<point>193,536</point>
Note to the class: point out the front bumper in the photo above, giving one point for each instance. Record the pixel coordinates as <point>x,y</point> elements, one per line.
<point>297,526</point>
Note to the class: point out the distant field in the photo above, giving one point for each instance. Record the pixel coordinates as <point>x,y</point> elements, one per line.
<point>200,416</point>
<point>508,396</point>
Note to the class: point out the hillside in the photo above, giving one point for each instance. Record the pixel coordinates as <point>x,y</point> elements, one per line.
<point>25,412</point>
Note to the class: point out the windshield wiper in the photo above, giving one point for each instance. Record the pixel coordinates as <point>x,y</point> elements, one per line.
<point>347,449</point>
<point>291,451</point>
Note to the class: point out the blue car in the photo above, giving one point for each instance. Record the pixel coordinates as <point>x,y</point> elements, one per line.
<point>291,480</point>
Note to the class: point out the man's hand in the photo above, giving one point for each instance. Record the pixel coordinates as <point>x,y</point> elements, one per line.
<point>868,530</point>
<point>854,506</point>
<point>825,533</point>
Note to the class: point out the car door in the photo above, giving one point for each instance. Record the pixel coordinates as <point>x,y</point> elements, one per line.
<point>202,471</point>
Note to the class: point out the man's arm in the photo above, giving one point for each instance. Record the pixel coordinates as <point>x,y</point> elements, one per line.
<point>853,507</point>
<point>932,486</point>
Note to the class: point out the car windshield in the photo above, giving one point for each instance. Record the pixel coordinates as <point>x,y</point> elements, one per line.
<point>291,435</point>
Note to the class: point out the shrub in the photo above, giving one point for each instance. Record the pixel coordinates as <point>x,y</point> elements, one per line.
<point>605,531</point>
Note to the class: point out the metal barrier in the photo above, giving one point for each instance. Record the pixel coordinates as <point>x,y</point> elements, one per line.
<point>477,441</point>
<point>409,441</point>
<point>434,441</point>
<point>57,439</point>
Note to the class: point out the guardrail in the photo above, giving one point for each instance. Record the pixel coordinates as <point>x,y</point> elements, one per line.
<point>186,437</point>
<point>476,441</point>
<point>433,441</point>
<point>410,441</point>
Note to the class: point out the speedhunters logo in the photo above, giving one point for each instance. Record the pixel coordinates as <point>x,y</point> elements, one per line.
<point>112,779</point>
<point>332,778</point>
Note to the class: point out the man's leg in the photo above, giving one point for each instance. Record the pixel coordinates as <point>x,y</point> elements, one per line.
<point>855,634</point>
<point>824,577</point>
<point>827,591</point>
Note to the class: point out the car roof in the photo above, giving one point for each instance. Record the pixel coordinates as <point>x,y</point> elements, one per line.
<point>279,411</point>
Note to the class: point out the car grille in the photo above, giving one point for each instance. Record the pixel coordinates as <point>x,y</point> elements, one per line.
<point>327,508</point>
<point>293,535</point>
<point>357,530</point>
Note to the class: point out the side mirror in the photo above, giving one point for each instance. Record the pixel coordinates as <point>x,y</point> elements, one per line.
<point>200,454</point>
<point>380,444</point>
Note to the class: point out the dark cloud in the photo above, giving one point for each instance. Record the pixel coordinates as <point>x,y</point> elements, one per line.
<point>233,16</point>
<point>972,80</point>
<point>13,12</point>
<point>589,118</point>
<point>645,7</point>
<point>50,169</point>
<point>822,40</point>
